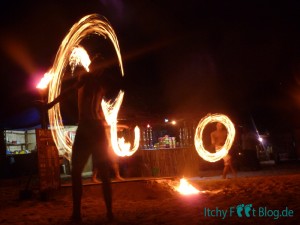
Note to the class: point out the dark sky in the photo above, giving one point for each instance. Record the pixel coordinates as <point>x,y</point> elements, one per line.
<point>181,58</point>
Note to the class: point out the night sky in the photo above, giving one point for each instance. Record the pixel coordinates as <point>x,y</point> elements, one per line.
<point>182,59</point>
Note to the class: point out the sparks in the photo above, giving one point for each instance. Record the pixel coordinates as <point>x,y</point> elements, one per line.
<point>206,155</point>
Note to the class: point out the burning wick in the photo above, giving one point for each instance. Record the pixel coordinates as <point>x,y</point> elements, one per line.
<point>206,155</point>
<point>185,188</point>
<point>43,84</point>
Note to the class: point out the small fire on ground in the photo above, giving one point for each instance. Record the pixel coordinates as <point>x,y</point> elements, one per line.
<point>183,186</point>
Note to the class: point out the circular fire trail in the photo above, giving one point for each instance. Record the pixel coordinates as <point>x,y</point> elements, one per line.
<point>206,155</point>
<point>68,50</point>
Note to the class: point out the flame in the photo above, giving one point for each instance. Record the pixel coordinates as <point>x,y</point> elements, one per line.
<point>90,24</point>
<point>79,56</point>
<point>185,188</point>
<point>206,155</point>
<point>110,110</point>
<point>43,84</point>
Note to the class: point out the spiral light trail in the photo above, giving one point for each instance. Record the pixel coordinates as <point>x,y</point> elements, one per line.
<point>206,155</point>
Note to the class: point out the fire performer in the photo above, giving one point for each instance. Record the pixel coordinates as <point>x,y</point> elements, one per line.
<point>218,138</point>
<point>91,137</point>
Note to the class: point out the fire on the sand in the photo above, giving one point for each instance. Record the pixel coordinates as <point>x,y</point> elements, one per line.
<point>185,188</point>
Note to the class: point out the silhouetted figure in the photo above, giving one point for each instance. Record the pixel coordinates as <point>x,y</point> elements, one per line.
<point>91,138</point>
<point>249,149</point>
<point>218,138</point>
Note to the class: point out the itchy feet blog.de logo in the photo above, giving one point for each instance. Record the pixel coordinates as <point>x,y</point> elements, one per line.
<point>247,211</point>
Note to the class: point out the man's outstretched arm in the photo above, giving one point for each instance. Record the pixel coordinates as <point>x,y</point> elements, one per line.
<point>63,95</point>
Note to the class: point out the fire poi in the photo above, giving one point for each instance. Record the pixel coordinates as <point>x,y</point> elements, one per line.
<point>71,53</point>
<point>79,56</point>
<point>206,155</point>
<point>110,110</point>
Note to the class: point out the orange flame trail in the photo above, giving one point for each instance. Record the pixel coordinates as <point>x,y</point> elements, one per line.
<point>90,24</point>
<point>206,155</point>
<point>110,110</point>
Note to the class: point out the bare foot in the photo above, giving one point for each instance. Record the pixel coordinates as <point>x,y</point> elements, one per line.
<point>95,180</point>
<point>119,178</point>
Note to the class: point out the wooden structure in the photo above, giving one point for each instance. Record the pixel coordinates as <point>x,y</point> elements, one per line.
<point>168,162</point>
<point>48,161</point>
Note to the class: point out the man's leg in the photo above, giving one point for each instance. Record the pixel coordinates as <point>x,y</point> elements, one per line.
<point>78,161</point>
<point>117,171</point>
<point>94,176</point>
<point>232,170</point>
<point>95,169</point>
<point>225,171</point>
<point>104,170</point>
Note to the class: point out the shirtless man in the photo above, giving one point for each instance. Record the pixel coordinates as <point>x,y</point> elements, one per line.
<point>218,138</point>
<point>91,137</point>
